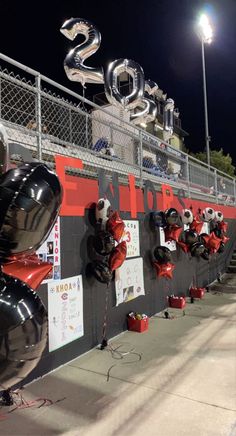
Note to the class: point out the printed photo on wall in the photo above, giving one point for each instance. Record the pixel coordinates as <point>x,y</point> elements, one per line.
<point>65,311</point>
<point>50,252</point>
<point>131,236</point>
<point>129,281</point>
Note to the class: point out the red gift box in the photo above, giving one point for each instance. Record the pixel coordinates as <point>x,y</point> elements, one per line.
<point>197,292</point>
<point>138,325</point>
<point>177,302</point>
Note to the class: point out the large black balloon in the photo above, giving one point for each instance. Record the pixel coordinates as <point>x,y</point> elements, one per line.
<point>172,217</point>
<point>189,237</point>
<point>23,330</point>
<point>103,243</point>
<point>30,198</point>
<point>162,254</point>
<point>197,249</point>
<point>102,272</point>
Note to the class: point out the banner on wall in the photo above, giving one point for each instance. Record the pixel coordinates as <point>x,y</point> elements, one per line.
<point>50,251</point>
<point>129,281</point>
<point>131,236</point>
<point>65,311</point>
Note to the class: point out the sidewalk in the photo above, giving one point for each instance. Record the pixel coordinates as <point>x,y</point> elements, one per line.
<point>184,384</point>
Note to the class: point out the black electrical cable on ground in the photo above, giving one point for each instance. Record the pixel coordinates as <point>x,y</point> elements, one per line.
<point>104,341</point>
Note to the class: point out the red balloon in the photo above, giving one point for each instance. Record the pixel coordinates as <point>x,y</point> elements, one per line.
<point>184,246</point>
<point>206,238</point>
<point>116,226</point>
<point>223,226</point>
<point>172,233</point>
<point>118,256</point>
<point>164,270</point>
<point>196,225</point>
<point>225,239</point>
<point>213,243</point>
<point>30,270</point>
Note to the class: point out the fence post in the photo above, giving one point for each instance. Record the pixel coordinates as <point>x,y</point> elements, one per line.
<point>234,181</point>
<point>141,158</point>
<point>70,126</point>
<point>216,187</point>
<point>187,174</point>
<point>39,117</point>
<point>86,130</point>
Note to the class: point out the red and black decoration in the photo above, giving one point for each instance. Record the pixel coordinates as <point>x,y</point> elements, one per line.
<point>162,263</point>
<point>30,199</point>
<point>110,250</point>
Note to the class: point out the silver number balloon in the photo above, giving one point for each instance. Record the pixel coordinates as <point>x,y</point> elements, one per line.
<point>148,107</point>
<point>113,94</point>
<point>74,61</point>
<point>169,116</point>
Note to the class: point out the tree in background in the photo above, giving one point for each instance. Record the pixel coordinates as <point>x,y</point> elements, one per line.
<point>218,160</point>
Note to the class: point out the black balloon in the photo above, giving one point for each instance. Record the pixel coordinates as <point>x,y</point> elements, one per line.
<point>102,272</point>
<point>197,249</point>
<point>30,198</point>
<point>158,218</point>
<point>206,254</point>
<point>221,249</point>
<point>218,232</point>
<point>189,237</point>
<point>103,243</point>
<point>162,254</point>
<point>172,217</point>
<point>23,330</point>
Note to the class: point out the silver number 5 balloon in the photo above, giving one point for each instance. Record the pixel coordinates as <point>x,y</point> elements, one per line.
<point>74,61</point>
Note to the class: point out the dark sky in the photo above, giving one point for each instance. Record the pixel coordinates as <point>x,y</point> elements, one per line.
<point>158,34</point>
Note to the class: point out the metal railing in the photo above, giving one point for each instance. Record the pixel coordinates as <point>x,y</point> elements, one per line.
<point>49,119</point>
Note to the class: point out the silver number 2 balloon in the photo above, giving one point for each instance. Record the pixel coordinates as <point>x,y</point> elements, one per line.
<point>74,61</point>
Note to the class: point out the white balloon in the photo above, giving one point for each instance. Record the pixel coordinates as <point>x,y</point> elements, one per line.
<point>219,216</point>
<point>187,216</point>
<point>103,208</point>
<point>208,214</point>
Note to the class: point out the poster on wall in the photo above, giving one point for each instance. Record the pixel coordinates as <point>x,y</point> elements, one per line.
<point>50,251</point>
<point>129,281</point>
<point>65,311</point>
<point>131,236</point>
<point>169,244</point>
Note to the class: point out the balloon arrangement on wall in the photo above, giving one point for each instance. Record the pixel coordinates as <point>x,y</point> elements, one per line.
<point>107,242</point>
<point>140,101</point>
<point>30,198</point>
<point>190,240</point>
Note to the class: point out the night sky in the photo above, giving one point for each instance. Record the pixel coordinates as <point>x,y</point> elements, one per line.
<point>158,34</point>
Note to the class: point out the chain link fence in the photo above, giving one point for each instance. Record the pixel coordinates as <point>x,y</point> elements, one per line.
<point>48,119</point>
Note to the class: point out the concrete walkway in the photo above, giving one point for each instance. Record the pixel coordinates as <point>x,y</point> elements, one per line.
<point>184,384</point>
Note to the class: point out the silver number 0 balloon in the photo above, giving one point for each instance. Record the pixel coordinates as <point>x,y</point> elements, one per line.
<point>74,61</point>
<point>113,94</point>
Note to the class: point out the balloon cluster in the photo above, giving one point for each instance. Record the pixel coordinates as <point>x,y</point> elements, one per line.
<point>30,198</point>
<point>140,100</point>
<point>162,264</point>
<point>107,242</point>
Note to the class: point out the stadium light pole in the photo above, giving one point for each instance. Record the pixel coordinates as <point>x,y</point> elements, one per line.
<point>206,35</point>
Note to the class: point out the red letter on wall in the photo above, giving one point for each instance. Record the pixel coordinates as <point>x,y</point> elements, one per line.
<point>167,196</point>
<point>61,163</point>
<point>132,195</point>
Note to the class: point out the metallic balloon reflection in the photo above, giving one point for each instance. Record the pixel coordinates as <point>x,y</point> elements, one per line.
<point>112,91</point>
<point>30,199</point>
<point>74,61</point>
<point>4,150</point>
<point>147,108</point>
<point>23,330</point>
